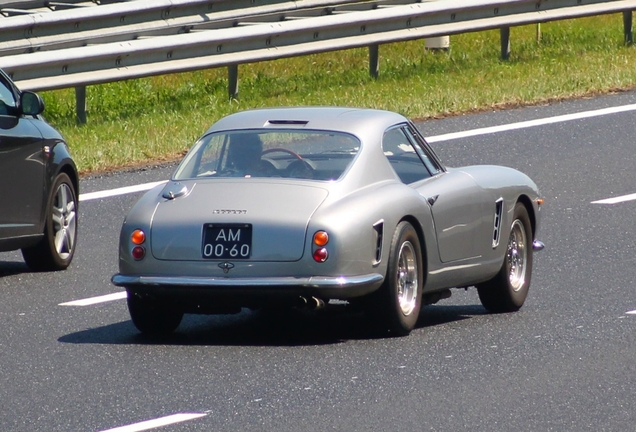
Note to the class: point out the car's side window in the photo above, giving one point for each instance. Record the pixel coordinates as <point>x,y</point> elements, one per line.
<point>421,150</point>
<point>7,99</point>
<point>404,156</point>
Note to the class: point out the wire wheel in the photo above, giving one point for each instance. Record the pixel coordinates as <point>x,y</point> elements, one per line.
<point>508,289</point>
<point>407,281</point>
<point>517,255</point>
<point>395,307</point>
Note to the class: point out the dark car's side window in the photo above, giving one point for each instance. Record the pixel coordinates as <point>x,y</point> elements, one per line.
<point>7,99</point>
<point>404,157</point>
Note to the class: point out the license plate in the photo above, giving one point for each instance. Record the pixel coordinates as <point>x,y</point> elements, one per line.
<point>227,241</point>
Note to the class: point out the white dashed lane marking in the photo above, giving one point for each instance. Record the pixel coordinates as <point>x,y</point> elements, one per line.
<point>96,300</point>
<point>532,123</point>
<point>156,423</point>
<point>119,191</point>
<point>616,200</point>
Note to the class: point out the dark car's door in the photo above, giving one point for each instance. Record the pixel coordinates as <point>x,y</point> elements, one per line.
<point>22,169</point>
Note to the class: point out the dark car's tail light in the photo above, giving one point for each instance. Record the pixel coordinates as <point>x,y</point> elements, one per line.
<point>138,237</point>
<point>321,238</point>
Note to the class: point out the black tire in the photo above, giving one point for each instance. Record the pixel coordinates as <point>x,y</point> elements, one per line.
<point>507,291</point>
<point>56,249</point>
<point>397,303</point>
<point>150,318</point>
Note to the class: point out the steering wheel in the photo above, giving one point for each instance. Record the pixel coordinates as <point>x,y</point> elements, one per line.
<point>284,150</point>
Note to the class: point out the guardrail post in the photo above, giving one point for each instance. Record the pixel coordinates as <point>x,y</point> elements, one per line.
<point>374,60</point>
<point>80,104</point>
<point>505,42</point>
<point>232,79</point>
<point>627,24</point>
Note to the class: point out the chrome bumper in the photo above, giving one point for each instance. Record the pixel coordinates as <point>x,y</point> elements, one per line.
<point>308,282</point>
<point>538,245</point>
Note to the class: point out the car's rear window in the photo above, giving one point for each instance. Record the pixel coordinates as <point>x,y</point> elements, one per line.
<point>314,155</point>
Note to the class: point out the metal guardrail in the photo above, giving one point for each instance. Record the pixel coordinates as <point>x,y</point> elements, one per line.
<point>148,18</point>
<point>267,34</point>
<point>24,7</point>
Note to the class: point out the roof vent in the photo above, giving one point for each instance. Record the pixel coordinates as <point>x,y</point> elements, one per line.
<point>288,122</point>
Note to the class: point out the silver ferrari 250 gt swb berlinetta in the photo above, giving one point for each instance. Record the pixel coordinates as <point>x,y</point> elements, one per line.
<point>284,207</point>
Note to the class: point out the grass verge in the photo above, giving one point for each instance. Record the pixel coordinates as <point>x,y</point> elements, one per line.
<point>157,119</point>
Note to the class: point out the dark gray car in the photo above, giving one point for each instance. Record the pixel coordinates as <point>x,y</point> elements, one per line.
<point>38,183</point>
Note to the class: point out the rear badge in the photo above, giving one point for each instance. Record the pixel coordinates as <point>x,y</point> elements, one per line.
<point>229,212</point>
<point>226,266</point>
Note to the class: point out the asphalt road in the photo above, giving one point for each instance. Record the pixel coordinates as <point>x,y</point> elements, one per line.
<point>565,362</point>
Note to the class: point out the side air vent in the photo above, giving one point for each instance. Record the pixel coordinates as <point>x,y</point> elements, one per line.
<point>497,225</point>
<point>378,228</point>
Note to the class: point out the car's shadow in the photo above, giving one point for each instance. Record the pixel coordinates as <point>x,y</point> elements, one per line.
<point>12,268</point>
<point>268,328</point>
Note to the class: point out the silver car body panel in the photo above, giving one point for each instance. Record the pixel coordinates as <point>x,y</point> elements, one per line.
<point>178,223</point>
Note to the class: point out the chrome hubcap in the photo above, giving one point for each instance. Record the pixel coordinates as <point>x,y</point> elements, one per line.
<point>407,283</point>
<point>64,221</point>
<point>517,255</point>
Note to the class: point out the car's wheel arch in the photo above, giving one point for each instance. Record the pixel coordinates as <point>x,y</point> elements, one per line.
<point>71,172</point>
<point>506,291</point>
<point>62,162</point>
<point>422,238</point>
<point>527,203</point>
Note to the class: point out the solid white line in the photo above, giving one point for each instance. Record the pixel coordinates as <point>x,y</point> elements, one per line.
<point>119,191</point>
<point>437,138</point>
<point>616,200</point>
<point>541,122</point>
<point>631,312</point>
<point>151,424</point>
<point>96,300</point>
<point>531,123</point>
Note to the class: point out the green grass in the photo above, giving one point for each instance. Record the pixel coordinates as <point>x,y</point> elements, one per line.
<point>150,120</point>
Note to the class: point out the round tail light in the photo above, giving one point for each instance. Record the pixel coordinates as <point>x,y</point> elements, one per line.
<point>138,252</point>
<point>138,237</point>
<point>321,238</point>
<point>321,255</point>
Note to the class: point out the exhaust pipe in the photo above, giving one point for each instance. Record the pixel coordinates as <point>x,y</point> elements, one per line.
<point>313,303</point>
<point>316,303</point>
